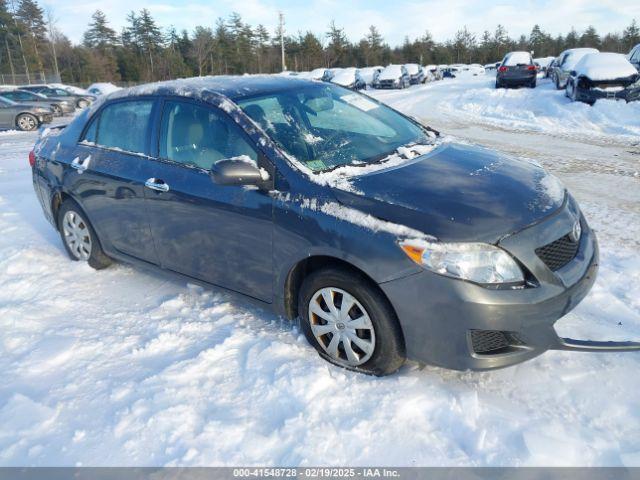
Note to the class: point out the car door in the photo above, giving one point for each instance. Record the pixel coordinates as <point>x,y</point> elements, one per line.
<point>108,172</point>
<point>219,234</point>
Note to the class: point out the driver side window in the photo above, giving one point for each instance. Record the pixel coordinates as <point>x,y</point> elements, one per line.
<point>199,136</point>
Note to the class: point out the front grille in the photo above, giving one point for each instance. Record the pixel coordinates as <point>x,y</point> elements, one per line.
<point>558,253</point>
<point>487,342</point>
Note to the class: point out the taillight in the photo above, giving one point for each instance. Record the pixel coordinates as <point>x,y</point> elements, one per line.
<point>32,158</point>
<point>503,69</point>
<point>531,67</point>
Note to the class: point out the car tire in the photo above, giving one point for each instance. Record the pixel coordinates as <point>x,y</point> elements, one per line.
<point>82,103</point>
<point>27,122</point>
<point>498,84</point>
<point>533,83</point>
<point>57,111</point>
<point>379,348</point>
<point>78,236</point>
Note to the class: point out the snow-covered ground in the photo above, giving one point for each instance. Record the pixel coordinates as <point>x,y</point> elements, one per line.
<point>543,109</point>
<point>127,367</point>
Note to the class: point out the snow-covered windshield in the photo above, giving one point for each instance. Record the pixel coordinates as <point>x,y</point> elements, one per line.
<point>391,72</point>
<point>605,66</point>
<point>412,68</point>
<point>575,56</point>
<point>325,126</point>
<point>345,77</point>
<point>517,58</point>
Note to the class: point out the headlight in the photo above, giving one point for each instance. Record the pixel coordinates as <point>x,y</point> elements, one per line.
<point>476,262</point>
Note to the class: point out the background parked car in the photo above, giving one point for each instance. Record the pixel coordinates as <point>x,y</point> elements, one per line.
<point>36,100</point>
<point>602,75</point>
<point>548,73</point>
<point>102,88</point>
<point>23,117</point>
<point>434,70</point>
<point>393,76</point>
<point>59,94</point>
<point>476,69</point>
<point>543,63</point>
<point>634,57</point>
<point>517,69</point>
<point>370,74</point>
<point>350,78</point>
<point>416,74</point>
<point>566,62</point>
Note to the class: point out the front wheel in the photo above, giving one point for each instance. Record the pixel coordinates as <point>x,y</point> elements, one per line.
<point>57,110</point>
<point>79,238</point>
<point>26,122</point>
<point>350,323</point>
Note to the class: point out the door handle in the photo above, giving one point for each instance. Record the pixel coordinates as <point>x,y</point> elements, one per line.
<point>156,184</point>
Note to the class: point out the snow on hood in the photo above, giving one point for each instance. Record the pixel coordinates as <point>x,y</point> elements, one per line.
<point>345,77</point>
<point>392,72</point>
<point>604,66</point>
<point>412,68</point>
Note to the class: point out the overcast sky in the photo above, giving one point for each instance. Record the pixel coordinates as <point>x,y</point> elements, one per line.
<point>394,18</point>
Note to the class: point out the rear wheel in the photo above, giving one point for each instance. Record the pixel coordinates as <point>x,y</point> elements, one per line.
<point>78,236</point>
<point>57,111</point>
<point>350,322</point>
<point>533,83</point>
<point>498,84</point>
<point>27,122</point>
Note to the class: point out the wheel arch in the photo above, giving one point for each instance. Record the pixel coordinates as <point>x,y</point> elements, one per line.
<point>304,267</point>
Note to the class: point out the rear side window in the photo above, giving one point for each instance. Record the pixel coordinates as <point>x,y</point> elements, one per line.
<point>122,125</point>
<point>199,136</point>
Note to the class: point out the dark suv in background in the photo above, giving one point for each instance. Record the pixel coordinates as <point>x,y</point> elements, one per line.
<point>517,69</point>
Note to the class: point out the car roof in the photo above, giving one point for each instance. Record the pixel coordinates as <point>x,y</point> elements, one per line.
<point>232,87</point>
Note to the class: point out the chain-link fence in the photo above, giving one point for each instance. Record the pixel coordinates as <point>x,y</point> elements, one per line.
<point>24,79</point>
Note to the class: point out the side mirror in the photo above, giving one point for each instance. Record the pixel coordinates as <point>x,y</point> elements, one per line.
<point>236,172</point>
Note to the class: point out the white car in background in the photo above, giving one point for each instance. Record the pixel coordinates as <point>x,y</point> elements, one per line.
<point>316,74</point>
<point>102,88</point>
<point>416,73</point>
<point>567,62</point>
<point>349,78</point>
<point>393,76</point>
<point>370,74</point>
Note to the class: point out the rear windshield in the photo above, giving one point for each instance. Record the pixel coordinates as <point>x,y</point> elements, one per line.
<point>517,58</point>
<point>325,126</point>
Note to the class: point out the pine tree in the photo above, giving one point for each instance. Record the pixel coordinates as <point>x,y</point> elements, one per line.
<point>338,44</point>
<point>99,35</point>
<point>590,38</point>
<point>631,35</point>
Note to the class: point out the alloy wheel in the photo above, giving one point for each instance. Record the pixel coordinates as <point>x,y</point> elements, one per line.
<point>341,326</point>
<point>27,123</point>
<point>76,235</point>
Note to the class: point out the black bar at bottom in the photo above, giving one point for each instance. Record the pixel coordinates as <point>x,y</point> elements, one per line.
<point>409,473</point>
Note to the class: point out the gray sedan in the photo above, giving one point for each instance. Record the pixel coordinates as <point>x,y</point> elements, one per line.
<point>59,94</point>
<point>36,100</point>
<point>23,117</point>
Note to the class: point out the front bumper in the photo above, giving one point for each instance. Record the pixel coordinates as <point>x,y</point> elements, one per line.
<point>591,95</point>
<point>45,117</point>
<point>443,318</point>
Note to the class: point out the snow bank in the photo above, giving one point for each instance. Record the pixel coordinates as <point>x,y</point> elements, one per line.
<point>543,109</point>
<point>605,66</point>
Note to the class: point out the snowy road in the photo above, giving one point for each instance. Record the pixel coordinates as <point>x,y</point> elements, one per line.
<point>126,367</point>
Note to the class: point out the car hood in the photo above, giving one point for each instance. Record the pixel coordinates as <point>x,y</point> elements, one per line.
<point>458,193</point>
